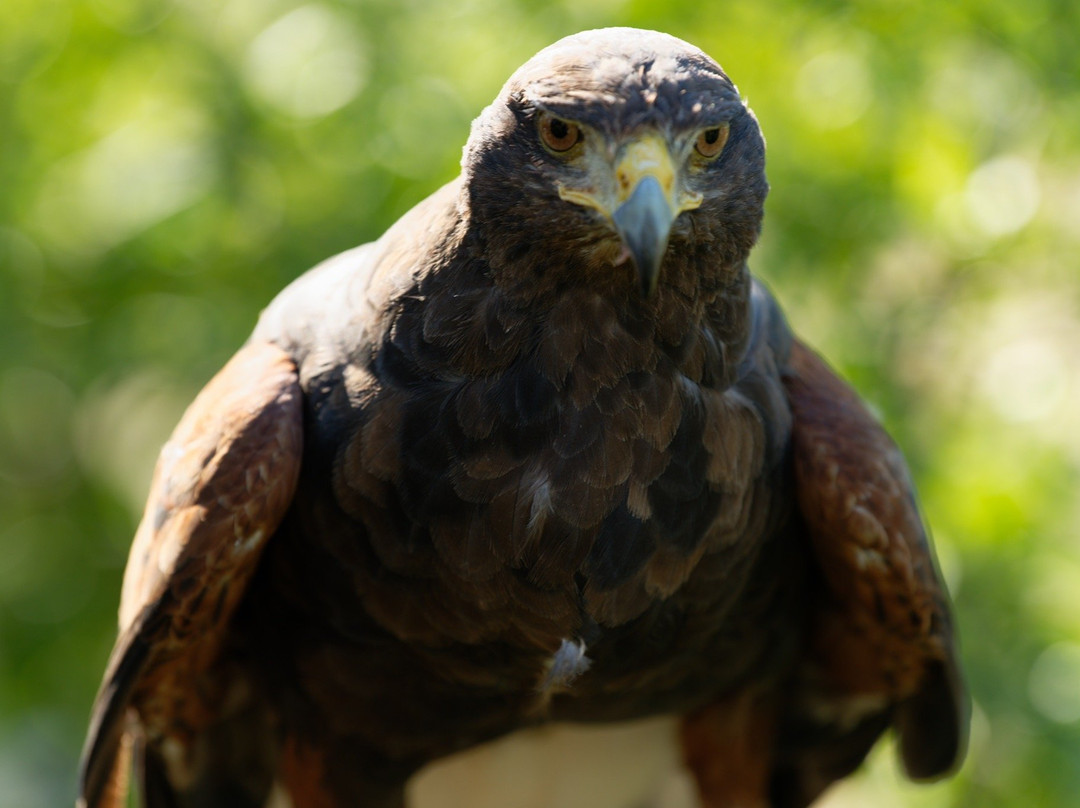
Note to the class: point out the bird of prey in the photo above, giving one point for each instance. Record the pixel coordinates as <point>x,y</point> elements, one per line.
<point>545,451</point>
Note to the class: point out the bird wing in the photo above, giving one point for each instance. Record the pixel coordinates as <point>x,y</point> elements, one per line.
<point>223,482</point>
<point>882,633</point>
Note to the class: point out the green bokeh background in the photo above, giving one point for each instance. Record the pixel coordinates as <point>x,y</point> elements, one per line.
<point>166,167</point>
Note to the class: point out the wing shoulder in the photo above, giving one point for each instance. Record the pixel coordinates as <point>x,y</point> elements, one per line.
<point>339,309</point>
<point>223,482</point>
<point>883,628</point>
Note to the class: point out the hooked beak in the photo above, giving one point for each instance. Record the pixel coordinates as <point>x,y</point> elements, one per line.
<point>644,222</point>
<point>642,203</point>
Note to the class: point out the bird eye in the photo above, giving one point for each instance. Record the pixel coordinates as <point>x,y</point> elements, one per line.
<point>557,134</point>
<point>711,141</point>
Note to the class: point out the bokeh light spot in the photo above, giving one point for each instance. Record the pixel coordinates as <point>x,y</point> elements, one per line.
<point>121,427</point>
<point>1003,195</point>
<point>1054,683</point>
<point>1025,380</point>
<point>833,88</point>
<point>308,63</point>
<point>127,182</point>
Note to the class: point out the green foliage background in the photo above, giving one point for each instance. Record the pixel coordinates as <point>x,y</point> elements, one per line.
<point>167,165</point>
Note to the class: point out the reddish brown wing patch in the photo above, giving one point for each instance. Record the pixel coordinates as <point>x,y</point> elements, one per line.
<point>223,482</point>
<point>728,746</point>
<point>303,773</point>
<point>883,627</point>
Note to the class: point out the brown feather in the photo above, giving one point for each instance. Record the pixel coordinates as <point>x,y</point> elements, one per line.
<point>222,484</point>
<point>882,627</point>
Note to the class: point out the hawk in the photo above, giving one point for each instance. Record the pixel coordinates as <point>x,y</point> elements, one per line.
<point>545,451</point>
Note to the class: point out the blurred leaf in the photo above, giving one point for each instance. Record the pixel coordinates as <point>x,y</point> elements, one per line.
<point>166,166</point>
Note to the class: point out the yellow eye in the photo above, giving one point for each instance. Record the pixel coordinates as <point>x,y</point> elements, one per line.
<point>557,134</point>
<point>711,141</point>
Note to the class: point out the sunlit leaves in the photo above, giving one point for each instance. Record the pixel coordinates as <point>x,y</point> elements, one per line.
<point>167,165</point>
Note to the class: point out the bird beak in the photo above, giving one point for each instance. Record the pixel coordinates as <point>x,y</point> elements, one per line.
<point>644,222</point>
<point>645,206</point>
<point>645,203</point>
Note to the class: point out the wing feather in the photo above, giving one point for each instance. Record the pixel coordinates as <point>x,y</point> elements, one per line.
<point>883,632</point>
<point>223,482</point>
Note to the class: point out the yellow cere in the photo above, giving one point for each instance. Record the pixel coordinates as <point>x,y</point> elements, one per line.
<point>647,155</point>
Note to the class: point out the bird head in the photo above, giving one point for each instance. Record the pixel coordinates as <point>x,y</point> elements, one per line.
<point>611,148</point>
